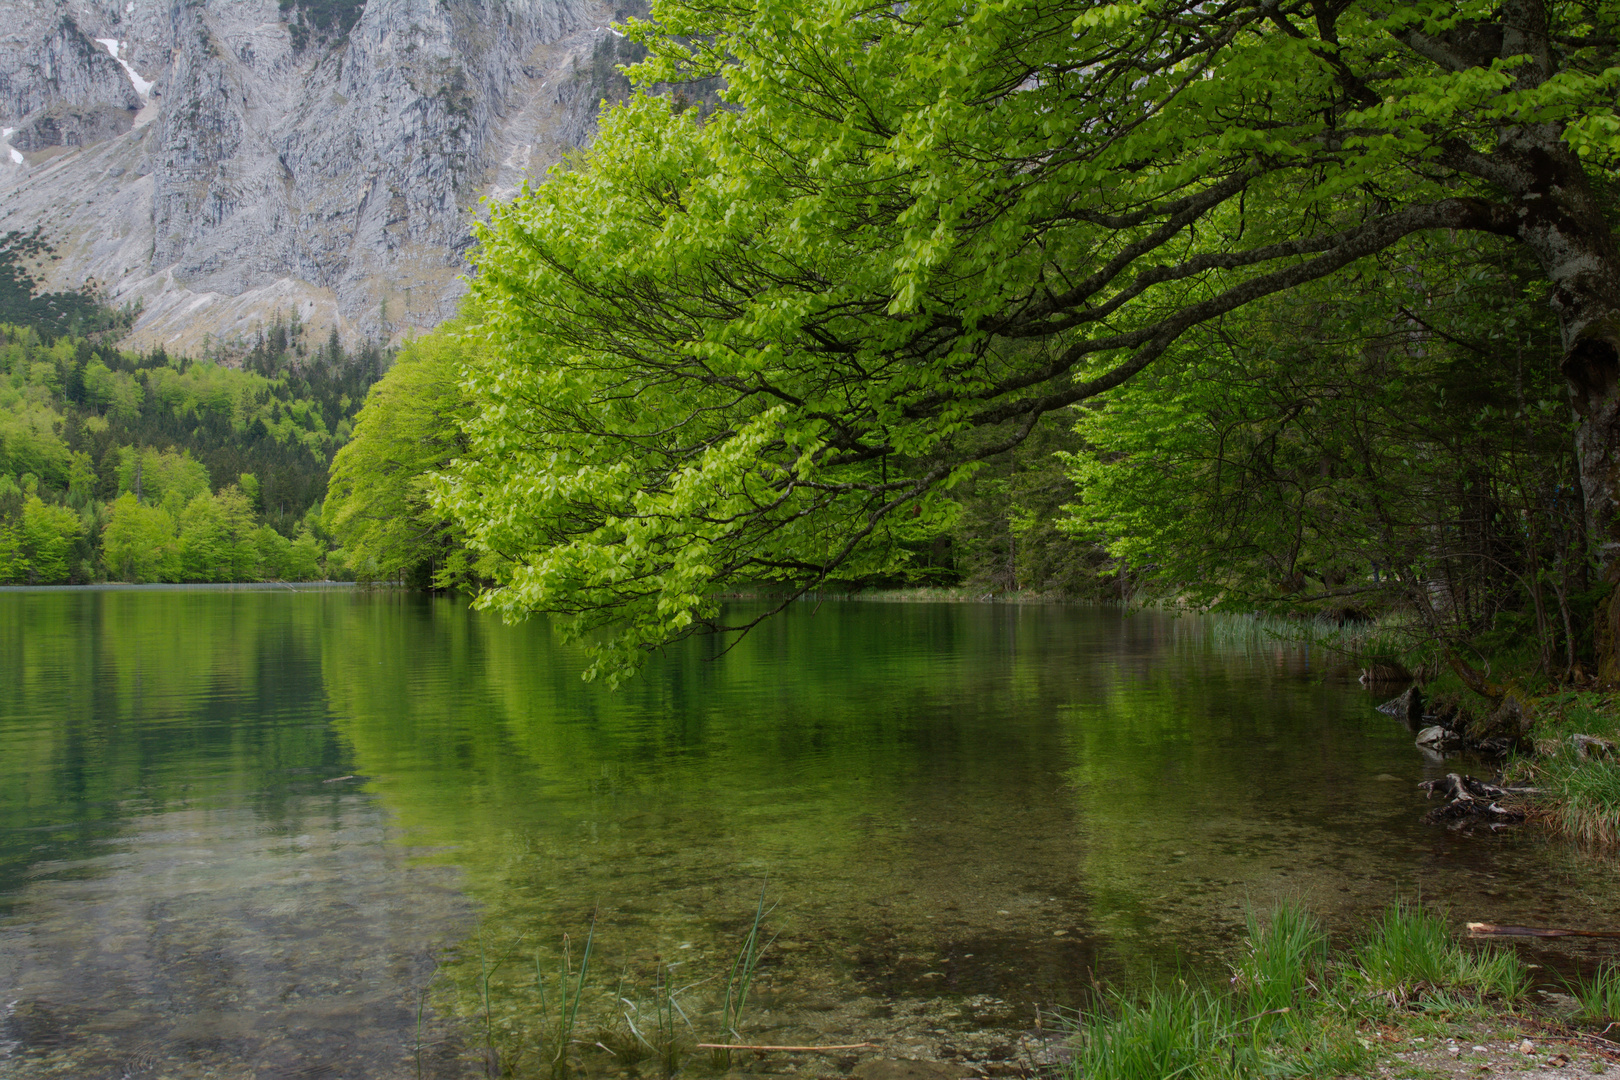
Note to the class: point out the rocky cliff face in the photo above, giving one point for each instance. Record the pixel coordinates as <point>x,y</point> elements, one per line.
<point>224,163</point>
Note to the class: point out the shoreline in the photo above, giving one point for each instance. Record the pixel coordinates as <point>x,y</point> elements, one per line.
<point>193,586</point>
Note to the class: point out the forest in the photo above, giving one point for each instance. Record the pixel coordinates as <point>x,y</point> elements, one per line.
<point>151,468</point>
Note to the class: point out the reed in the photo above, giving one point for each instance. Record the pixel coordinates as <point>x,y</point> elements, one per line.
<point>740,979</point>
<point>485,973</point>
<point>661,1029</point>
<point>556,1035</point>
<point>421,1004</point>
<point>1352,642</point>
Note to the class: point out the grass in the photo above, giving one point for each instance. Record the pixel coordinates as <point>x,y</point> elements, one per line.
<point>1284,961</point>
<point>1170,1031</point>
<point>1410,954</point>
<point>1353,643</point>
<point>1586,799</point>
<point>1580,795</point>
<point>1292,1008</point>
<point>1599,997</point>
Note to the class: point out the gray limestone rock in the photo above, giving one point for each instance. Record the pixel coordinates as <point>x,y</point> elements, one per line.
<point>65,124</point>
<point>223,166</point>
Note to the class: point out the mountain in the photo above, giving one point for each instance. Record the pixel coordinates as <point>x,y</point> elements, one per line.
<point>223,165</point>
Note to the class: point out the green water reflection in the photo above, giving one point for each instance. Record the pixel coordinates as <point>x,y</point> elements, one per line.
<point>960,812</point>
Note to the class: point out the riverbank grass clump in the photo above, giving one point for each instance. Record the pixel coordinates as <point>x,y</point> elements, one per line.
<point>1598,998</point>
<point>1410,955</point>
<point>1291,1008</point>
<point>1576,766</point>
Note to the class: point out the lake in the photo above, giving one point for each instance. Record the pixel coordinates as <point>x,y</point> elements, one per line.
<point>266,833</point>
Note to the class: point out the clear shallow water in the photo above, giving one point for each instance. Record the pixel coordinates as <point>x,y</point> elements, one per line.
<point>959,813</point>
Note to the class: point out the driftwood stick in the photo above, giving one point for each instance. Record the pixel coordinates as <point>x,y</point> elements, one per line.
<point>788,1049</point>
<point>1485,929</point>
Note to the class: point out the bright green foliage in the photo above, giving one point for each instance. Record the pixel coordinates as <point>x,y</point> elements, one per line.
<point>762,348</point>
<point>116,393</point>
<point>249,484</point>
<point>280,559</point>
<point>29,442</point>
<point>139,543</point>
<point>159,475</point>
<point>89,423</point>
<point>216,538</point>
<point>43,544</point>
<point>377,503</point>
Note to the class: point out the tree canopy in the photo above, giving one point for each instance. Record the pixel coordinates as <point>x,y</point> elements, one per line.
<point>764,345</point>
<point>377,501</point>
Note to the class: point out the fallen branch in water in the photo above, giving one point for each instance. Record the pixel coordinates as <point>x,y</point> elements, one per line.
<point>1468,800</point>
<point>1485,929</point>
<point>787,1049</point>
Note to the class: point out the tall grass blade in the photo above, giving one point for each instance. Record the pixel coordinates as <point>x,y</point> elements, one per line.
<point>1599,997</point>
<point>1410,953</point>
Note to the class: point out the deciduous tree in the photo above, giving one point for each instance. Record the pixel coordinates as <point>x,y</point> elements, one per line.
<point>763,347</point>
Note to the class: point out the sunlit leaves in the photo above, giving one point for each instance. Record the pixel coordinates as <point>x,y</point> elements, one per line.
<point>754,350</point>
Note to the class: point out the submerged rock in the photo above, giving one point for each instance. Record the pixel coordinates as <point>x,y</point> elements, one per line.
<point>1407,707</point>
<point>1435,737</point>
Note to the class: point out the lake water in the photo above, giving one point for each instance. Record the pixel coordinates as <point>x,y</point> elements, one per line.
<point>296,834</point>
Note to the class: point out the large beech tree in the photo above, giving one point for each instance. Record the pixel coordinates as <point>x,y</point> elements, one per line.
<point>762,345</point>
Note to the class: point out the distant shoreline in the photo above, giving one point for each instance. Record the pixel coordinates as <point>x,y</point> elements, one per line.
<point>200,586</point>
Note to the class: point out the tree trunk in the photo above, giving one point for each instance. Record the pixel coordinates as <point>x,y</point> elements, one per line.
<point>1561,221</point>
<point>1592,364</point>
<point>1555,212</point>
<point>1569,233</point>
